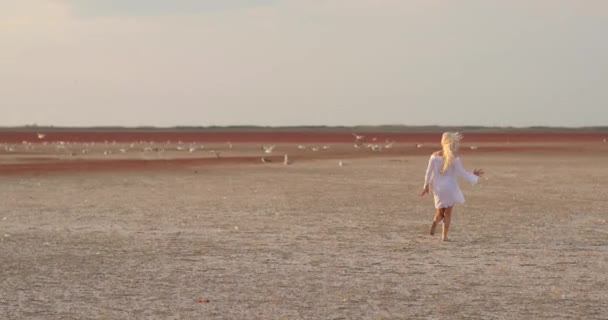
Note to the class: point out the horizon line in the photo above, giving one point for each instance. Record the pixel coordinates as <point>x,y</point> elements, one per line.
<point>304,127</point>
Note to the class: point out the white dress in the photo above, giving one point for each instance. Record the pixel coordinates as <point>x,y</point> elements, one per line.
<point>445,186</point>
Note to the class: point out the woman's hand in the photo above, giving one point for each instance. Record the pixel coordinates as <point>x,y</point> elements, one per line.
<point>478,172</point>
<point>425,190</point>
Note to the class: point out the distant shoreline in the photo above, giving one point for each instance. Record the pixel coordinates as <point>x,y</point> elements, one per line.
<point>318,129</point>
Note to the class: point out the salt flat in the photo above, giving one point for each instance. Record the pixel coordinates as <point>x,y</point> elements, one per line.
<point>311,240</point>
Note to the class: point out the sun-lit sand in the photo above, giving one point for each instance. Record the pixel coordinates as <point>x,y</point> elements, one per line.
<point>174,234</point>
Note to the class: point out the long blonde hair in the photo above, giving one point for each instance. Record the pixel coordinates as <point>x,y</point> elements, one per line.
<point>450,141</point>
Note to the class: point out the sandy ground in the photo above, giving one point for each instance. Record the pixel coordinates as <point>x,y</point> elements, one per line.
<point>311,240</point>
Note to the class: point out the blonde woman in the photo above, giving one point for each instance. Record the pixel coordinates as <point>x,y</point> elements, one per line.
<point>444,166</point>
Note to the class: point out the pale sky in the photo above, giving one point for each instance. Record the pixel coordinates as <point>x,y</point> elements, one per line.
<point>304,62</point>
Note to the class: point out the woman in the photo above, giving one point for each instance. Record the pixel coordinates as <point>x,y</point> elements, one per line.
<point>441,174</point>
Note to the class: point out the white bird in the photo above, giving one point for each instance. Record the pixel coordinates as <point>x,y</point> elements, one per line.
<point>473,147</point>
<point>358,137</point>
<point>192,149</point>
<point>419,145</point>
<point>314,149</point>
<point>41,135</point>
<point>301,147</point>
<point>268,149</point>
<point>389,144</point>
<point>375,147</point>
<point>325,147</point>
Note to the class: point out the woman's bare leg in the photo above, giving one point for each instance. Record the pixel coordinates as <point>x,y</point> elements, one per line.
<point>447,214</point>
<point>438,217</point>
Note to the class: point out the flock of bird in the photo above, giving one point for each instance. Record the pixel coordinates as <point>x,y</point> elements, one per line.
<point>108,148</point>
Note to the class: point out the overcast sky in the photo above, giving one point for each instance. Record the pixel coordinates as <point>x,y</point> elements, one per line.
<point>303,62</point>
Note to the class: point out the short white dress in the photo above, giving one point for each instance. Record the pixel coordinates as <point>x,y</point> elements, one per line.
<point>445,186</point>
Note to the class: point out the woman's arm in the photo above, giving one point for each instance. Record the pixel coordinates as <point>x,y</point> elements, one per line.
<point>471,176</point>
<point>428,177</point>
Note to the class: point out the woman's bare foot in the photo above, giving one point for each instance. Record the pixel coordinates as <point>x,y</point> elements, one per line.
<point>445,239</point>
<point>433,226</point>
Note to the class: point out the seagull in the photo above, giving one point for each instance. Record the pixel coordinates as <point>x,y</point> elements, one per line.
<point>358,137</point>
<point>375,147</point>
<point>419,145</point>
<point>192,149</point>
<point>325,147</point>
<point>41,135</point>
<point>473,147</point>
<point>301,147</point>
<point>268,149</point>
<point>314,149</point>
<point>389,144</point>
